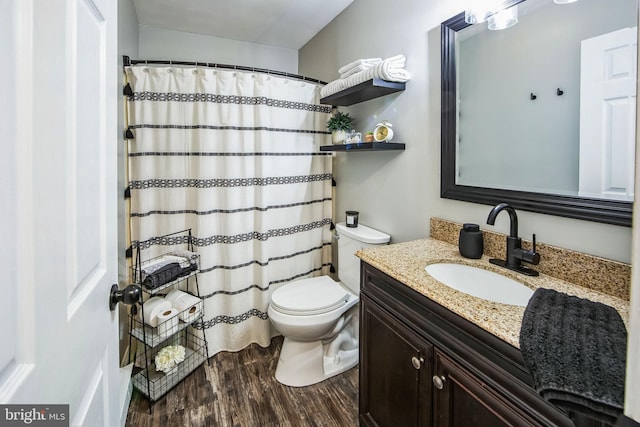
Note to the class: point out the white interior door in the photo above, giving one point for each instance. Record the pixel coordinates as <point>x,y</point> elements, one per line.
<point>607,115</point>
<point>58,229</point>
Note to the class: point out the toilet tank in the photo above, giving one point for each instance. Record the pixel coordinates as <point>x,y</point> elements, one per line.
<point>350,240</point>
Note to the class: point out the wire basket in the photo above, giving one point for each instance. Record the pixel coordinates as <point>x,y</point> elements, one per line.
<point>153,336</point>
<point>155,384</point>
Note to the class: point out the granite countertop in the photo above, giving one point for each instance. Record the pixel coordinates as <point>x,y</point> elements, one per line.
<point>406,262</point>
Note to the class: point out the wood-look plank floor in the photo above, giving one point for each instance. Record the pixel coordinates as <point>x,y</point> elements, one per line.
<point>239,390</point>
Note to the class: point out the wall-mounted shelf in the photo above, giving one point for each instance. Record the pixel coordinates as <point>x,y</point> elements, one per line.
<point>365,146</point>
<point>365,91</point>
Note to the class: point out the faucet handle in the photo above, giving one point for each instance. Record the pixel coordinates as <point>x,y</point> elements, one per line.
<point>532,257</point>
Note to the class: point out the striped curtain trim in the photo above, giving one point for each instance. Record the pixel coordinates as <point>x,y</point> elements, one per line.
<point>260,288</point>
<point>205,154</point>
<point>246,315</point>
<point>214,127</point>
<point>229,99</point>
<point>228,211</point>
<point>221,182</point>
<point>262,263</point>
<point>222,239</point>
<point>232,320</point>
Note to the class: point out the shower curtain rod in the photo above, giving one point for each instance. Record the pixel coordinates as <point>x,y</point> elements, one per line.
<point>128,61</point>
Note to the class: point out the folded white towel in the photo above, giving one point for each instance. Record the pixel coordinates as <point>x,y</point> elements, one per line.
<point>390,69</point>
<point>357,69</point>
<point>358,62</point>
<point>396,60</point>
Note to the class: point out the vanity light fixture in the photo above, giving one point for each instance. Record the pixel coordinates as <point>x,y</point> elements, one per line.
<point>480,11</point>
<point>500,14</point>
<point>504,19</point>
<point>564,1</point>
<point>477,14</point>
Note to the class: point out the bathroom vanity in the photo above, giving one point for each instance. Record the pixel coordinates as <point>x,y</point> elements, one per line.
<point>430,355</point>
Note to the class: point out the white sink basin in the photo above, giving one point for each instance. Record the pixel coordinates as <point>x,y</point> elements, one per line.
<point>480,283</point>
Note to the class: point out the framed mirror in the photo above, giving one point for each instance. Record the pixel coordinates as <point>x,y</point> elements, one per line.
<point>518,118</point>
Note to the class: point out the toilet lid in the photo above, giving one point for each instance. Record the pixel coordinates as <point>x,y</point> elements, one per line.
<point>315,295</point>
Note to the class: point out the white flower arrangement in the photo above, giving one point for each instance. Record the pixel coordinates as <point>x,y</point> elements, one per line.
<point>169,357</point>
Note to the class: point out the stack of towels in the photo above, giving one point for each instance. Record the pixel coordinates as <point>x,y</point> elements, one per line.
<point>361,70</point>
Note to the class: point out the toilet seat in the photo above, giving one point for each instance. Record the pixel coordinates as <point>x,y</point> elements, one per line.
<point>315,295</point>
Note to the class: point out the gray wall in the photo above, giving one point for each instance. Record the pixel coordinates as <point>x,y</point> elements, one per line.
<point>158,43</point>
<point>398,192</point>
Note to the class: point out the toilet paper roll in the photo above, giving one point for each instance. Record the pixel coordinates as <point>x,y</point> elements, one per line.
<point>152,308</point>
<point>167,322</point>
<point>188,305</point>
<point>191,313</point>
<point>173,296</point>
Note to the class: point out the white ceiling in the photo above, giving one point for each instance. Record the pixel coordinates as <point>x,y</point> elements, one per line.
<point>285,23</point>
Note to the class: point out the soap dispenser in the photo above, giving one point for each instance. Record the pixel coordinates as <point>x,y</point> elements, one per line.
<point>470,242</point>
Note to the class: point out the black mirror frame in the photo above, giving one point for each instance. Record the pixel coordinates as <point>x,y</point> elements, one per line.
<point>598,210</point>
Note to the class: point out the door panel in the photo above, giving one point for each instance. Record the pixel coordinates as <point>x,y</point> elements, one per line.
<point>86,152</point>
<point>8,117</point>
<point>607,115</point>
<point>60,200</point>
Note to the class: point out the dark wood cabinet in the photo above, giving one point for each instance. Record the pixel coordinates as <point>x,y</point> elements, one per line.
<point>463,400</point>
<point>394,384</point>
<point>423,365</point>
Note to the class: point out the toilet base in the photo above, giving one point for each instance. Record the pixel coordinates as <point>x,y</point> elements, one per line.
<point>305,363</point>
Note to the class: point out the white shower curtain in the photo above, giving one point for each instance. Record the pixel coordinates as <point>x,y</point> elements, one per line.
<point>234,157</point>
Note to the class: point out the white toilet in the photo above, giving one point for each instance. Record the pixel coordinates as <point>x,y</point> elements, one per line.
<point>319,316</point>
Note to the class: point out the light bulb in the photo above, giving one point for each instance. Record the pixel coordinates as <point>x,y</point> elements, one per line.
<point>504,19</point>
<point>480,11</point>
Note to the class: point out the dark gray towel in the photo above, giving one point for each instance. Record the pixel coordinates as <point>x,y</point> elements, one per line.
<point>576,352</point>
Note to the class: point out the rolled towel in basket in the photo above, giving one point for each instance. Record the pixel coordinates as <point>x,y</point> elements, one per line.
<point>192,257</point>
<point>162,275</point>
<point>575,350</point>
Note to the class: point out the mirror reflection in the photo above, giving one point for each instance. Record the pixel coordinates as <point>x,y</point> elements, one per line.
<point>548,105</point>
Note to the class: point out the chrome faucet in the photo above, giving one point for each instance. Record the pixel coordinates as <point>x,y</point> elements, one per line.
<point>515,254</point>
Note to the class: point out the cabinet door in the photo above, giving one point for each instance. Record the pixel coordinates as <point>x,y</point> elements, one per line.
<point>395,371</point>
<point>461,399</point>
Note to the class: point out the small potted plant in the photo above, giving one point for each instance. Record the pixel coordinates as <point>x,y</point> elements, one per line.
<point>339,124</point>
<point>368,137</point>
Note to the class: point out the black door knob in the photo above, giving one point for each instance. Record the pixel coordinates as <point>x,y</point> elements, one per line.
<point>129,295</point>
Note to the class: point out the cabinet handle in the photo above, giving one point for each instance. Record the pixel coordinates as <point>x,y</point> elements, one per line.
<point>417,363</point>
<point>439,382</point>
